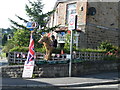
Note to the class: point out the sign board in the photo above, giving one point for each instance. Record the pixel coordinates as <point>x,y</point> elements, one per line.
<point>68,56</point>
<point>31,25</point>
<point>71,24</point>
<point>28,69</point>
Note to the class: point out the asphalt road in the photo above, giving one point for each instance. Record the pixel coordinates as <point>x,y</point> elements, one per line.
<point>103,81</point>
<point>96,87</point>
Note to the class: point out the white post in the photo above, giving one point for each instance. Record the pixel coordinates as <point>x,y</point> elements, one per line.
<point>71,49</point>
<point>72,26</point>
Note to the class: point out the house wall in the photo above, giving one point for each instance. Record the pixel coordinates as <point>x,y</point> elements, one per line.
<point>94,29</point>
<point>102,26</point>
<point>81,12</point>
<point>81,22</point>
<point>61,13</point>
<point>59,17</point>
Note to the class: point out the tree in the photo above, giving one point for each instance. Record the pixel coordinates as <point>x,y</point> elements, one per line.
<point>21,38</point>
<point>68,41</point>
<point>35,13</point>
<point>5,34</point>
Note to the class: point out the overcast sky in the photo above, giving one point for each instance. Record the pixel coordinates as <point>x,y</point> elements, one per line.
<point>8,9</point>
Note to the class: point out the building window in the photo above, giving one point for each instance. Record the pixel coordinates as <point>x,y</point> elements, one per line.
<point>71,9</point>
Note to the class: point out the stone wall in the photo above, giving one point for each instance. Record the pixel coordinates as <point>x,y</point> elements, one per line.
<point>61,70</point>
<point>103,26</point>
<point>12,71</point>
<point>106,14</point>
<point>97,35</point>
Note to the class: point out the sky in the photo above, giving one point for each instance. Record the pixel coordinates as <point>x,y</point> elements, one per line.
<point>10,8</point>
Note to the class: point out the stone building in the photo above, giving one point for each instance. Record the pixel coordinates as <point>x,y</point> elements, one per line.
<point>96,21</point>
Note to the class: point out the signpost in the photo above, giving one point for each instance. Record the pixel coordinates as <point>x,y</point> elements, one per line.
<point>31,25</point>
<point>72,26</point>
<point>29,63</point>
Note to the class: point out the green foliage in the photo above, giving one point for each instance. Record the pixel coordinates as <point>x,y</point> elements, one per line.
<point>16,25</point>
<point>67,43</point>
<point>111,49</point>
<point>34,11</point>
<point>41,50</point>
<point>2,55</point>
<point>91,50</point>
<point>110,57</point>
<point>19,49</point>
<point>9,45</point>
<point>4,39</point>
<point>106,45</point>
<point>4,35</point>
<point>33,76</point>
<point>26,49</point>
<point>1,46</point>
<point>21,38</point>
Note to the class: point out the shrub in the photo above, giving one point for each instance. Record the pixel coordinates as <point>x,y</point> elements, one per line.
<point>91,50</point>
<point>110,57</point>
<point>107,46</point>
<point>26,49</point>
<point>19,49</point>
<point>111,49</point>
<point>21,37</point>
<point>41,50</point>
<point>9,45</point>
<point>67,43</point>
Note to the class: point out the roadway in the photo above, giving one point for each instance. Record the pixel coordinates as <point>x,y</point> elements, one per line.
<point>102,81</point>
<point>96,87</point>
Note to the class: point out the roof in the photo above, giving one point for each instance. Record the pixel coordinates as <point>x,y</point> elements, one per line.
<point>64,29</point>
<point>61,1</point>
<point>64,0</point>
<point>61,29</point>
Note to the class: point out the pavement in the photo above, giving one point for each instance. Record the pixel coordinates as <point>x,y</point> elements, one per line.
<point>82,81</point>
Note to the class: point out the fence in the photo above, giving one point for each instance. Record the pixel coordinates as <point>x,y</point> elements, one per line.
<point>88,55</point>
<point>20,57</point>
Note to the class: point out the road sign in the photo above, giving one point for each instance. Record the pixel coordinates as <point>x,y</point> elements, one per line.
<point>31,25</point>
<point>71,23</point>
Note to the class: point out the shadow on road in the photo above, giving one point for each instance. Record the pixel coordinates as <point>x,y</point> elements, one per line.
<point>58,88</point>
<point>104,75</point>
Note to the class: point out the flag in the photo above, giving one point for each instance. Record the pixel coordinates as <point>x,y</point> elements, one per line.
<point>31,52</point>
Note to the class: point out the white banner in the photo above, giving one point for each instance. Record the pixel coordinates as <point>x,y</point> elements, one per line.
<point>28,69</point>
<point>71,24</point>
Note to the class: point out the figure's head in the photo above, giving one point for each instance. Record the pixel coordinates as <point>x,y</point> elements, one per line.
<point>44,39</point>
<point>53,37</point>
